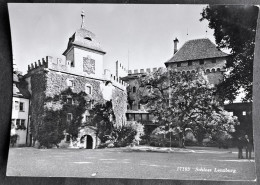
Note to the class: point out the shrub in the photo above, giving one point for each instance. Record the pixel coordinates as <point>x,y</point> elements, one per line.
<point>128,134</point>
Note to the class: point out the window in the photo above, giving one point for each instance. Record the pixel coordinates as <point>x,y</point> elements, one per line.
<point>244,113</point>
<point>139,105</point>
<point>134,89</point>
<point>18,122</point>
<point>214,60</point>
<point>69,100</point>
<point>16,105</point>
<point>21,106</point>
<point>179,64</point>
<point>70,83</point>
<point>88,38</point>
<point>69,116</point>
<point>88,89</point>
<point>22,122</point>
<point>189,63</point>
<point>72,64</point>
<point>201,62</point>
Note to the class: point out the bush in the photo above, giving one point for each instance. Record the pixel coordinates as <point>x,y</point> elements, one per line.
<point>128,134</point>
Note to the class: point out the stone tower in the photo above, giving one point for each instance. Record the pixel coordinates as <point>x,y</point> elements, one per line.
<point>199,53</point>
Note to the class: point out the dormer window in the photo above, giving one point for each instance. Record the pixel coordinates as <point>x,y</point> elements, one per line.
<point>88,38</point>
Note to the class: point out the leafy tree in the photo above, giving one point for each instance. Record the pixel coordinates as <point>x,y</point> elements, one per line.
<point>234,29</point>
<point>102,117</point>
<point>51,132</point>
<point>183,102</point>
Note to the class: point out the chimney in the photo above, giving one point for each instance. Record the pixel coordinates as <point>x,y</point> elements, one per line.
<point>175,45</point>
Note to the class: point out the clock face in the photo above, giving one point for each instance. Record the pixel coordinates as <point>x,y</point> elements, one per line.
<point>88,65</point>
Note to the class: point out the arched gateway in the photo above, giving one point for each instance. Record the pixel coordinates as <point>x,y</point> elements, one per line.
<point>88,138</point>
<point>89,143</point>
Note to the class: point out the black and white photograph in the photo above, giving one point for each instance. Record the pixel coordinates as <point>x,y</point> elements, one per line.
<point>132,91</point>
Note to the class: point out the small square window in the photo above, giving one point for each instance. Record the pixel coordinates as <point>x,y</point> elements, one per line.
<point>189,63</point>
<point>21,106</point>
<point>18,122</point>
<point>214,61</point>
<point>69,117</point>
<point>179,64</point>
<point>69,101</point>
<point>22,122</point>
<point>72,64</point>
<point>88,89</point>
<point>70,83</point>
<point>244,113</point>
<point>201,62</point>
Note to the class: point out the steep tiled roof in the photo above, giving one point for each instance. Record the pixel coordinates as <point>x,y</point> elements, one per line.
<point>19,91</point>
<point>196,49</point>
<point>86,39</point>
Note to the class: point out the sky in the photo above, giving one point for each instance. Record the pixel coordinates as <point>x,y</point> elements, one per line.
<point>138,36</point>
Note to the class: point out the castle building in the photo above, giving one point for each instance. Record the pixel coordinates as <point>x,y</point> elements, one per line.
<point>82,70</point>
<point>194,54</point>
<point>199,53</point>
<point>20,112</point>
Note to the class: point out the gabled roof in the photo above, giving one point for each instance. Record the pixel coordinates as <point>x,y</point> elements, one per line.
<point>84,38</point>
<point>195,50</point>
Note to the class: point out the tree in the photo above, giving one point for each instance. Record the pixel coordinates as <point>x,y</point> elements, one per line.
<point>183,102</point>
<point>154,94</point>
<point>51,132</point>
<point>234,29</point>
<point>102,117</point>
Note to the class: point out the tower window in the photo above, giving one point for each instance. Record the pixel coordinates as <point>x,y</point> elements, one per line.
<point>72,64</point>
<point>88,38</point>
<point>214,60</point>
<point>134,89</point>
<point>189,63</point>
<point>88,89</point>
<point>179,64</point>
<point>201,62</point>
<point>244,113</point>
<point>70,83</point>
<point>69,116</point>
<point>69,100</point>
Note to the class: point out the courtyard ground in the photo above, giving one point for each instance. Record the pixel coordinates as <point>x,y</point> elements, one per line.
<point>131,162</point>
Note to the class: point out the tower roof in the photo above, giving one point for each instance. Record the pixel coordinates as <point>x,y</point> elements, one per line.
<point>84,38</point>
<point>195,50</point>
